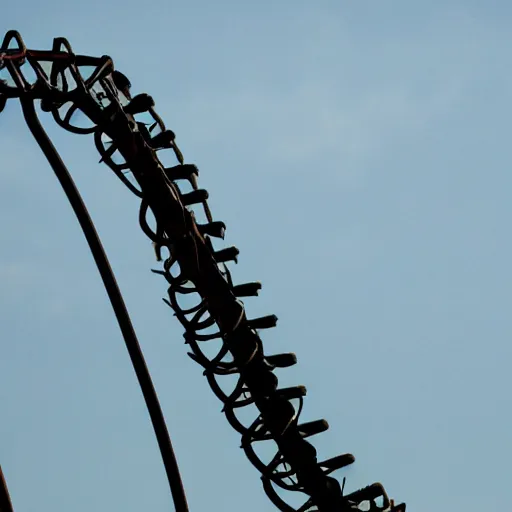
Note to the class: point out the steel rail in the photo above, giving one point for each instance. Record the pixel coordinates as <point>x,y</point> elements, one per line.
<point>116,299</point>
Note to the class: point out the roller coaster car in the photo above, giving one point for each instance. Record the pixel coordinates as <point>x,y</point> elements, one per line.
<point>373,499</point>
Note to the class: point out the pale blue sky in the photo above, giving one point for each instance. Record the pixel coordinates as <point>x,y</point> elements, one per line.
<point>358,153</point>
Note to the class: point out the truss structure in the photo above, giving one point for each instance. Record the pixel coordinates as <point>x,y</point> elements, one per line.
<point>87,95</point>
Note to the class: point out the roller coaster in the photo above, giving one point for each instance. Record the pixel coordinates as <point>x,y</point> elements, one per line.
<point>87,95</point>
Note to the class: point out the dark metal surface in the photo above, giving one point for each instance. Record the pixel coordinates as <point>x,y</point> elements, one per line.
<point>195,270</point>
<point>5,499</point>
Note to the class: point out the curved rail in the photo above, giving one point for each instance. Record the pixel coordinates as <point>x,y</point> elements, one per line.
<point>201,292</point>
<point>118,304</point>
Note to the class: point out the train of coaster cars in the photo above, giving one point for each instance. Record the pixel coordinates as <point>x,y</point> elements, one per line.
<point>86,95</point>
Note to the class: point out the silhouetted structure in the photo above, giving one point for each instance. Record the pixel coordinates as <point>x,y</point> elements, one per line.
<point>66,84</point>
<point>5,499</point>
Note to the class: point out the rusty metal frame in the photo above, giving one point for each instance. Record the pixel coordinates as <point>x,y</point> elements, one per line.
<point>193,267</point>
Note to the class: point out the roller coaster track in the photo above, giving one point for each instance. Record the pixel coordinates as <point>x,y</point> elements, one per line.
<point>74,88</point>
